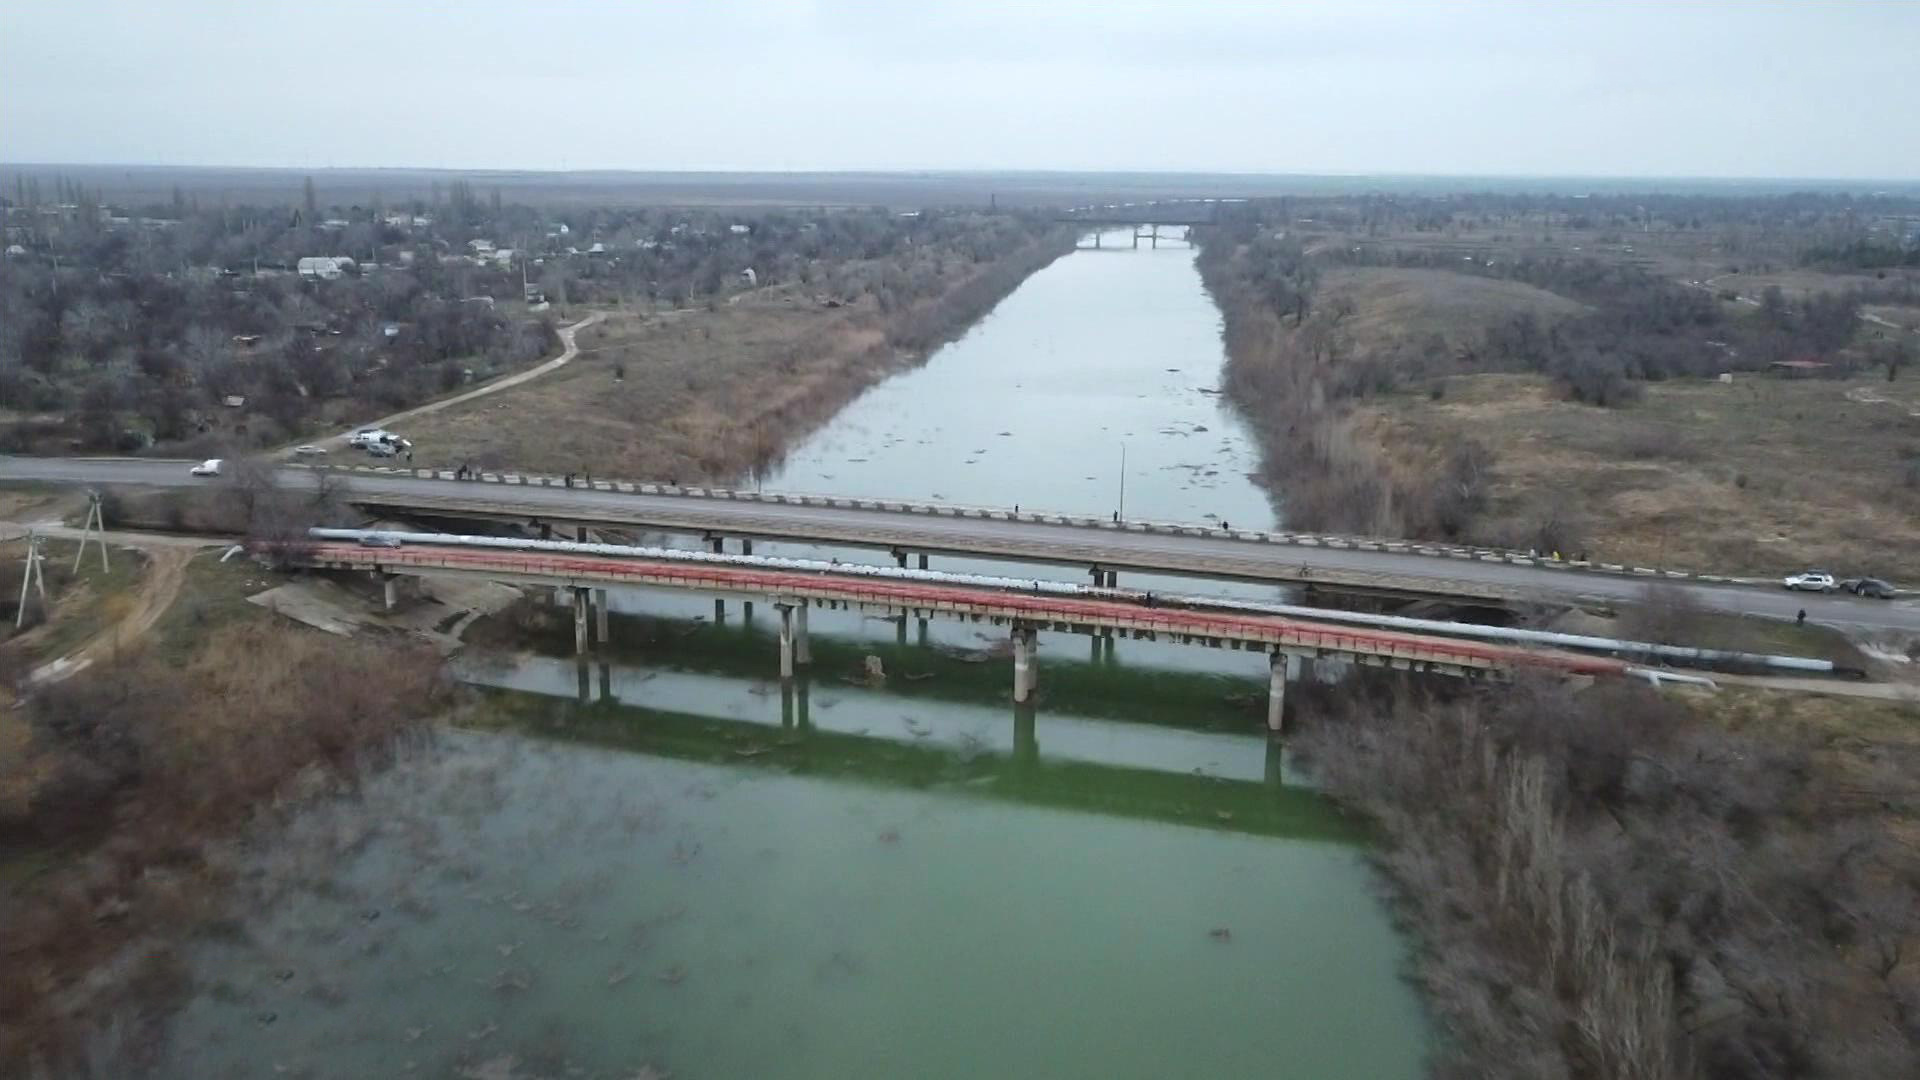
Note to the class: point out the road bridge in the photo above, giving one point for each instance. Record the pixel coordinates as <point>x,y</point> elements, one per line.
<point>792,593</point>
<point>1105,546</point>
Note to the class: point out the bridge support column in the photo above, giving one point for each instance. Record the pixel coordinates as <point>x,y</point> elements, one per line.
<point>923,560</point>
<point>786,640</point>
<point>580,534</point>
<point>1277,692</point>
<point>582,600</point>
<point>1026,738</point>
<point>600,617</point>
<point>746,546</point>
<point>1026,675</point>
<point>802,651</point>
<point>390,591</point>
<point>900,557</point>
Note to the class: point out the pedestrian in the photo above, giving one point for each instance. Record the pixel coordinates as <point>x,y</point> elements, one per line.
<point>1116,517</point>
<point>1800,619</point>
<point>1016,508</point>
<point>1225,525</point>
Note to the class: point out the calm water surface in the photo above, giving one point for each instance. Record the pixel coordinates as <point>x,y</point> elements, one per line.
<point>667,859</point>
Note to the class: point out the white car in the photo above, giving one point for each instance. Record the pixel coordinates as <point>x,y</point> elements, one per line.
<point>309,450</point>
<point>366,437</point>
<point>209,467</point>
<point>1812,581</point>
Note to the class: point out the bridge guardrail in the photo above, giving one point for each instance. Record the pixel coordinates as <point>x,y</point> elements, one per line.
<point>945,509</point>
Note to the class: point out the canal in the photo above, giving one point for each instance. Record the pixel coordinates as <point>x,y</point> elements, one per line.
<point>667,859</point>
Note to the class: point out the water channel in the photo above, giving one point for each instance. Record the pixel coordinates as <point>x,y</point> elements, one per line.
<point>667,859</point>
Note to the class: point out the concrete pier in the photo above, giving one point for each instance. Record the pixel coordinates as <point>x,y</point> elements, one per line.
<point>923,560</point>
<point>1026,675</point>
<point>581,602</point>
<point>600,617</point>
<point>1026,737</point>
<point>802,651</point>
<point>786,640</point>
<point>1277,692</point>
<point>390,591</point>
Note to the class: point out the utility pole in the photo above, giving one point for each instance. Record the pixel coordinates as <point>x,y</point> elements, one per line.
<point>1121,513</point>
<point>96,528</point>
<point>32,578</point>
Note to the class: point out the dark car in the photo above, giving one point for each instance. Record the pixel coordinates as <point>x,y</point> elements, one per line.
<point>1869,586</point>
<point>380,541</point>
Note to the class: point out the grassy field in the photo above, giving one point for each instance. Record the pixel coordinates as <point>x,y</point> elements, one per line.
<point>716,393</point>
<point>694,393</point>
<point>1763,475</point>
<point>82,603</point>
<point>1401,306</point>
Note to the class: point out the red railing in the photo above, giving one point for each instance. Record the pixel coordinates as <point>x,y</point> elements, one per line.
<point>964,600</point>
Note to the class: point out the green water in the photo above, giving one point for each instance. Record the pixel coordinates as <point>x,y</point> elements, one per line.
<point>667,858</point>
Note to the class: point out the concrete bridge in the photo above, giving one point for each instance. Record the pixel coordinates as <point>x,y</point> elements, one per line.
<point>793,592</point>
<point>1103,546</point>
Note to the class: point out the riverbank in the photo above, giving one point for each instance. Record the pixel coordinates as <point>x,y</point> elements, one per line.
<point>1613,882</point>
<point>1608,881</point>
<point>121,790</point>
<point>717,394</point>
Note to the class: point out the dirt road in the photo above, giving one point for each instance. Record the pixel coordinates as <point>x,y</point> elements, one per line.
<point>568,350</point>
<point>167,558</point>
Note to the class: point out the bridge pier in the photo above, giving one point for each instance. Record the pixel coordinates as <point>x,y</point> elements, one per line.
<point>1277,691</point>
<point>802,651</point>
<point>900,556</point>
<point>1026,675</point>
<point>719,605</point>
<point>581,602</point>
<point>390,591</point>
<point>923,560</point>
<point>786,640</point>
<point>1026,737</point>
<point>600,617</point>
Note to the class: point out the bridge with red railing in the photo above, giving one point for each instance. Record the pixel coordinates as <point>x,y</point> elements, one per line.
<point>793,591</point>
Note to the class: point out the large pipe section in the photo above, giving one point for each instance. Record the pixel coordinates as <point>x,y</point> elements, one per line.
<point>1586,642</point>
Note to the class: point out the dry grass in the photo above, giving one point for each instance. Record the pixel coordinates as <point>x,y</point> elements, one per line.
<point>712,394</point>
<point>1406,306</point>
<point>158,758</point>
<point>1763,476</point>
<point>1614,883</point>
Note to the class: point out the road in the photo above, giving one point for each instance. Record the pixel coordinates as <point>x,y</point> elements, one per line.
<point>568,350</point>
<point>1193,551</point>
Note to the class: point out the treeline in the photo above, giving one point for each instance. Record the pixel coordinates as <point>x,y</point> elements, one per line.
<point>1605,885</point>
<point>1289,385</point>
<point>1641,327</point>
<point>186,326</point>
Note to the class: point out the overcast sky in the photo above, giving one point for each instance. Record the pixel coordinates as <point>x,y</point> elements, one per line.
<point>1811,89</point>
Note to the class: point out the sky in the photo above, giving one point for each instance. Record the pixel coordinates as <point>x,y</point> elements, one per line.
<point>1822,89</point>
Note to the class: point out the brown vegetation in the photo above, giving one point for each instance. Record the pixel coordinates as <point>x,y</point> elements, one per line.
<point>1765,475</point>
<point>716,395</point>
<point>158,759</point>
<point>1291,373</point>
<point>1608,885</point>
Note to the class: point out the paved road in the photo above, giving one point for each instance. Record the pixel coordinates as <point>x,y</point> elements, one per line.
<point>1212,554</point>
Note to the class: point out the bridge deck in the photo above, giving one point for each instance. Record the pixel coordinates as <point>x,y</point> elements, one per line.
<point>1244,630</point>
